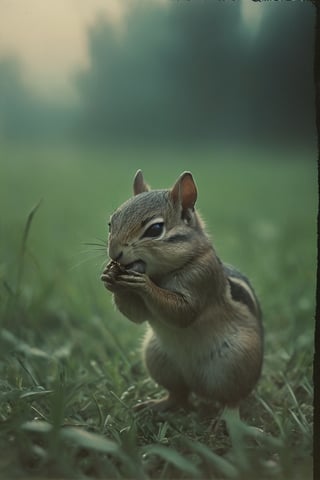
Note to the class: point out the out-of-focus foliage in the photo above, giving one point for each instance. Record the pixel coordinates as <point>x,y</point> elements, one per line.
<point>24,116</point>
<point>282,85</point>
<point>170,75</point>
<point>193,71</point>
<point>183,71</point>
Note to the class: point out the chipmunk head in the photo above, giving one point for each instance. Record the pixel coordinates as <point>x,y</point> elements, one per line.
<point>156,230</point>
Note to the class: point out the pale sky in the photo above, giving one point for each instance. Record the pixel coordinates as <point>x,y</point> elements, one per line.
<point>49,37</point>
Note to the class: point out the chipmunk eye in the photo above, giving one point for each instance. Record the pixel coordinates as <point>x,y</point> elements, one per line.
<point>154,230</point>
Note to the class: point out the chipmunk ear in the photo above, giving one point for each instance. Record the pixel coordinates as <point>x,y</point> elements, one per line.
<point>139,185</point>
<point>184,191</point>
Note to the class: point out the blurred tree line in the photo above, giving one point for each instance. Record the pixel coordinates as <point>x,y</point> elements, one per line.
<point>190,71</point>
<point>26,117</point>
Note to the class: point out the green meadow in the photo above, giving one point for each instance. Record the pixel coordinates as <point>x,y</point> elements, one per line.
<point>70,367</point>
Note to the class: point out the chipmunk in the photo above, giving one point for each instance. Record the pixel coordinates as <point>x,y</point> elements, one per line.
<point>205,333</point>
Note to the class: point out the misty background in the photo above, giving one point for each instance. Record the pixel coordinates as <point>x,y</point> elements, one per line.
<point>191,72</point>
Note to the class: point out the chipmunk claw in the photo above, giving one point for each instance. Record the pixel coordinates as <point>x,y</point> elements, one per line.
<point>132,279</point>
<point>170,402</point>
<point>108,281</point>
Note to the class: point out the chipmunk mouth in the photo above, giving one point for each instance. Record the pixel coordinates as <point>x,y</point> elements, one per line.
<point>138,266</point>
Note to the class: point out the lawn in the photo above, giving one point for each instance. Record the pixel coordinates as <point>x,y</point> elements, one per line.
<point>70,367</point>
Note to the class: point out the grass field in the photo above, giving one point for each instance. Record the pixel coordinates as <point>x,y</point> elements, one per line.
<point>70,367</point>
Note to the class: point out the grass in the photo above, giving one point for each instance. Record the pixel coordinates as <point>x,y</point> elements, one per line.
<point>70,365</point>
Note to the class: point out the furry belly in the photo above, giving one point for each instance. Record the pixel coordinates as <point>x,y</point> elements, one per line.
<point>223,372</point>
<point>224,369</point>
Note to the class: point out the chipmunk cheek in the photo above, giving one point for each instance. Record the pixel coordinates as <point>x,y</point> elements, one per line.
<point>138,266</point>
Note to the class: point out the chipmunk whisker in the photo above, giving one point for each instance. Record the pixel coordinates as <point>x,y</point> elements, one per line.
<point>91,244</point>
<point>86,260</point>
<point>96,242</point>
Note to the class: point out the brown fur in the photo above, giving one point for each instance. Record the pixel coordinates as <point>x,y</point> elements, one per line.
<point>199,338</point>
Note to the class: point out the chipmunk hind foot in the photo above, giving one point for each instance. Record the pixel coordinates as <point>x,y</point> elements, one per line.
<point>170,402</point>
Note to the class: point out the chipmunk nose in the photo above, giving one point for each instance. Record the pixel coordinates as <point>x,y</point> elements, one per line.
<point>114,253</point>
<point>118,258</point>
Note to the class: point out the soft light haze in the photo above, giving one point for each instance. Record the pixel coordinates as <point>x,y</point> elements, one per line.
<point>50,38</point>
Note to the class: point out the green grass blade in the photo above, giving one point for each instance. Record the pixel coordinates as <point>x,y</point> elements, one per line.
<point>172,456</point>
<point>92,441</point>
<point>220,464</point>
<point>24,245</point>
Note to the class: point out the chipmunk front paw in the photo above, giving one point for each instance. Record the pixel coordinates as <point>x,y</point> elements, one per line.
<point>110,275</point>
<point>133,280</point>
<point>116,277</point>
